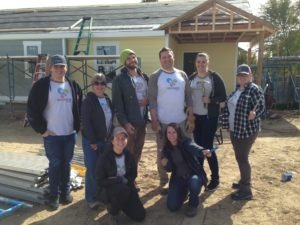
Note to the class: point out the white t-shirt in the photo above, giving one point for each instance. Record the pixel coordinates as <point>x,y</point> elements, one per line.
<point>200,87</point>
<point>232,102</point>
<point>58,111</point>
<point>171,98</point>
<point>107,111</point>
<point>141,89</point>
<point>121,169</point>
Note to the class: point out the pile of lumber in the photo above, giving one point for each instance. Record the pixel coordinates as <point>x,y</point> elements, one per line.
<point>24,176</point>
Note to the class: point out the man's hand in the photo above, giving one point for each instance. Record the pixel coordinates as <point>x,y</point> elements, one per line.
<point>48,133</point>
<point>143,102</point>
<point>206,153</point>
<point>129,128</point>
<point>155,125</point>
<point>94,146</point>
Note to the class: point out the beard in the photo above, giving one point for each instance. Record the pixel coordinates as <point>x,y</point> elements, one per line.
<point>132,65</point>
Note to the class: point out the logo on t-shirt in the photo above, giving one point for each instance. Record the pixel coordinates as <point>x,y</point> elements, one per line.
<point>172,82</point>
<point>63,92</point>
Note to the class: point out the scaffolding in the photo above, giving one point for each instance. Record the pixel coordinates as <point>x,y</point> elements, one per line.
<point>77,65</point>
<point>281,74</point>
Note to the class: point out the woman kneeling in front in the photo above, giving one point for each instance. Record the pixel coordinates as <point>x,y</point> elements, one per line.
<point>181,158</point>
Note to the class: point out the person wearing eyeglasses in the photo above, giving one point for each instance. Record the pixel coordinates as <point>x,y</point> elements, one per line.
<point>129,97</point>
<point>97,116</point>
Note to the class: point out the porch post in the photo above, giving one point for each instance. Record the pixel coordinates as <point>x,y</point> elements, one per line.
<point>260,59</point>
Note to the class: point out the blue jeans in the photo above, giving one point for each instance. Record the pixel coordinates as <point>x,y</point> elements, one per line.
<point>59,151</point>
<point>179,188</point>
<point>90,161</point>
<point>204,133</point>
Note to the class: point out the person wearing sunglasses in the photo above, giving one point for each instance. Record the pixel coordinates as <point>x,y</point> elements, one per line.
<point>97,116</point>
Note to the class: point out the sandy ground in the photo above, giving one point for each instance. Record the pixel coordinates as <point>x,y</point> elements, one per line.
<point>276,150</point>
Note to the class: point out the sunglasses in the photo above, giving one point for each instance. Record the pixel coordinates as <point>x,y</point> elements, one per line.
<point>97,83</point>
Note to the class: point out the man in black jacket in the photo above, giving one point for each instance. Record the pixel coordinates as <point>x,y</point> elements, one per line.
<point>53,111</point>
<point>129,97</point>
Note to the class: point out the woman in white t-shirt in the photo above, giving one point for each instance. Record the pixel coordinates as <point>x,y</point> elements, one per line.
<point>208,94</point>
<point>97,115</point>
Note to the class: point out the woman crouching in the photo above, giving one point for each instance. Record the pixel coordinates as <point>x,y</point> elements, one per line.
<point>181,158</point>
<point>116,173</point>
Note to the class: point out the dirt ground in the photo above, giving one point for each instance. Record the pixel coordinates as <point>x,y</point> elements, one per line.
<point>276,150</point>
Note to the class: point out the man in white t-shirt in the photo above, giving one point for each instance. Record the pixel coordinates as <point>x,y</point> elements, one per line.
<point>169,95</point>
<point>53,111</point>
<point>130,101</point>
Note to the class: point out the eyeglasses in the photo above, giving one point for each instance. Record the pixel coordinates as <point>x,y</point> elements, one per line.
<point>97,83</point>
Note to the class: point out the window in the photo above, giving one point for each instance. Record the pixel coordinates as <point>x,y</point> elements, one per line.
<point>107,66</point>
<point>31,48</point>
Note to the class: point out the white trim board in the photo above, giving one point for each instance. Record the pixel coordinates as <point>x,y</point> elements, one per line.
<point>95,34</point>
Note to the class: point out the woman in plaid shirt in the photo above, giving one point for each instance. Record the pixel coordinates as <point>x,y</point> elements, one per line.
<point>241,117</point>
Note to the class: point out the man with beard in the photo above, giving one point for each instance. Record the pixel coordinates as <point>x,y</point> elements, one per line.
<point>129,97</point>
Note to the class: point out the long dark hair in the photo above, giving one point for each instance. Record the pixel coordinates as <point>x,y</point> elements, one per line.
<point>179,135</point>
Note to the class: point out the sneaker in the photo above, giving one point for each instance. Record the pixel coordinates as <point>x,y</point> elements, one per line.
<point>190,211</point>
<point>163,189</point>
<point>52,202</point>
<point>212,186</point>
<point>241,195</point>
<point>93,205</point>
<point>65,199</point>
<point>236,185</point>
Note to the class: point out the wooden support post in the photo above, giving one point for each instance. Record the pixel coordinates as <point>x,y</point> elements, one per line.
<point>260,59</point>
<point>249,56</point>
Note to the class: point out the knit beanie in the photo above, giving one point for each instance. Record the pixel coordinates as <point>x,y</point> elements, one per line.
<point>124,55</point>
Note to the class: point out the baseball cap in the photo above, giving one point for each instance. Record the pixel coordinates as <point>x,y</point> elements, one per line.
<point>58,60</point>
<point>119,130</point>
<point>243,69</point>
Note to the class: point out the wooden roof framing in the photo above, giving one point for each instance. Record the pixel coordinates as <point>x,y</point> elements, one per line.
<point>217,21</point>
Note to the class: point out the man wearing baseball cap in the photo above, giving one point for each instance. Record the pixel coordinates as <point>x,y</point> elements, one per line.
<point>53,111</point>
<point>129,97</point>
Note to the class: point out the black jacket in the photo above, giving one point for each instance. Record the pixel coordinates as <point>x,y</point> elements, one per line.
<point>217,95</point>
<point>106,168</point>
<point>191,153</point>
<point>125,101</point>
<point>38,99</point>
<point>93,119</point>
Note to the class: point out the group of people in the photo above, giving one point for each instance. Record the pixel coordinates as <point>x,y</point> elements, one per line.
<point>184,110</point>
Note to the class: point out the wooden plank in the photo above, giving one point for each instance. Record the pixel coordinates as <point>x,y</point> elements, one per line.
<point>27,163</point>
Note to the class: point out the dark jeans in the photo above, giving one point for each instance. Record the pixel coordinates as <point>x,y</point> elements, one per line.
<point>204,133</point>
<point>121,197</point>
<point>90,161</point>
<point>136,142</point>
<point>179,188</point>
<point>59,151</point>
<point>242,149</point>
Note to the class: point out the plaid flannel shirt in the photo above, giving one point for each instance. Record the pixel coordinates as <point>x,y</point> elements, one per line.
<point>252,97</point>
